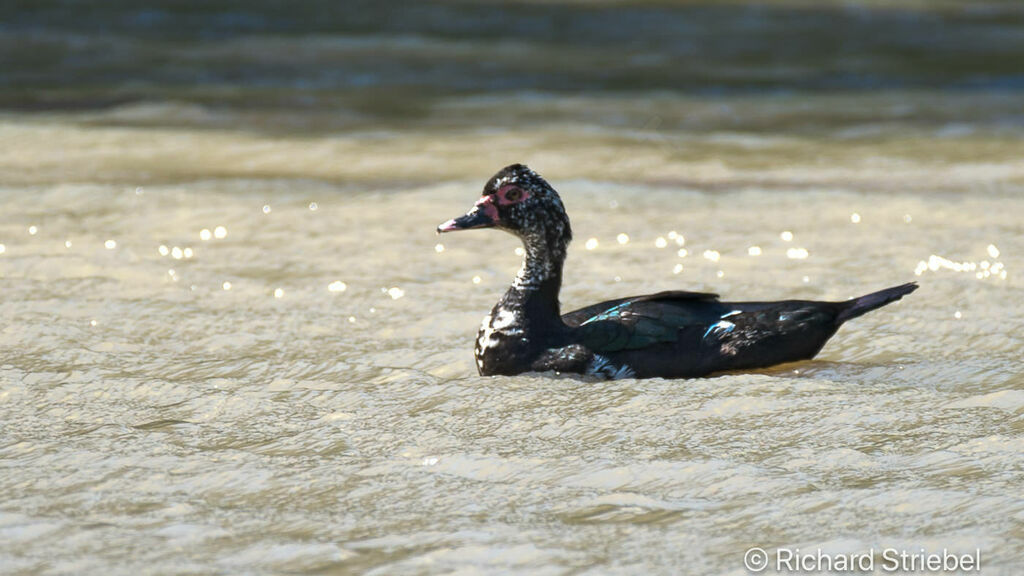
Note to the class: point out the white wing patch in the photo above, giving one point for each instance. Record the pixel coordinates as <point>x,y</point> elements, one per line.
<point>603,367</point>
<point>722,327</point>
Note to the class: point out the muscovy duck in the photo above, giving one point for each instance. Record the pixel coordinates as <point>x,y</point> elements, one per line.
<point>671,334</point>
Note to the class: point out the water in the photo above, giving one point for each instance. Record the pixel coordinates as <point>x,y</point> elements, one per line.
<point>295,392</point>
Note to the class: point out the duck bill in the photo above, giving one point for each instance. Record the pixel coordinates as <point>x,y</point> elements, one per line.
<point>483,215</point>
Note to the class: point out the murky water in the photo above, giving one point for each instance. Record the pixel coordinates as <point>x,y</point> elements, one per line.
<point>232,343</point>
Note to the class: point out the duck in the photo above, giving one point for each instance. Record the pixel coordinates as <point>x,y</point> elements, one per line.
<point>671,334</point>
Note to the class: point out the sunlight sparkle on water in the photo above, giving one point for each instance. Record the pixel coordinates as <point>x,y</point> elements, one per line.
<point>712,255</point>
<point>993,251</point>
<point>313,206</point>
<point>176,253</point>
<point>266,208</point>
<point>226,286</point>
<point>855,218</point>
<point>33,230</point>
<point>188,252</point>
<point>682,252</point>
<point>279,293</point>
<point>110,244</point>
<point>476,279</point>
<point>67,243</point>
<point>754,251</point>
<point>677,268</point>
<point>337,286</point>
<point>786,236</point>
<point>3,248</point>
<point>395,292</point>
<point>205,234</point>
<point>982,270</point>
<point>661,242</point>
<point>591,244</point>
<point>622,238</point>
<point>220,232</point>
<point>163,250</point>
<point>797,253</point>
<point>519,251</point>
<point>439,248</point>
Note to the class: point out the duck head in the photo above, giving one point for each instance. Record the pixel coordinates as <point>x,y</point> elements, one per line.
<point>519,201</point>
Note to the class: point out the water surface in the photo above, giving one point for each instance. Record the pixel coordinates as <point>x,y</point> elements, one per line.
<point>232,342</point>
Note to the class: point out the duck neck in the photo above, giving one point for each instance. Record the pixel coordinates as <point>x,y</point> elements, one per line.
<point>538,282</point>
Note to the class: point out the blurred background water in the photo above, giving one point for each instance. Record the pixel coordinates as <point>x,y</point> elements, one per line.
<point>231,342</point>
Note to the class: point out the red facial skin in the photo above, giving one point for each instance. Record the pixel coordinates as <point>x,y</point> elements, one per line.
<point>511,194</point>
<point>486,205</point>
<point>505,196</point>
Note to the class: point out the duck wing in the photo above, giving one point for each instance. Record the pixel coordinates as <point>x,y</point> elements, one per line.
<point>577,317</point>
<point>641,321</point>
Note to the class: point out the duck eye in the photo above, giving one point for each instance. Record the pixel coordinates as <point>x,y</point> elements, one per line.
<point>513,194</point>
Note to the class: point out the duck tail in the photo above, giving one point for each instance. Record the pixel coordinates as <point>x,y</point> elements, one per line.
<point>864,304</point>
